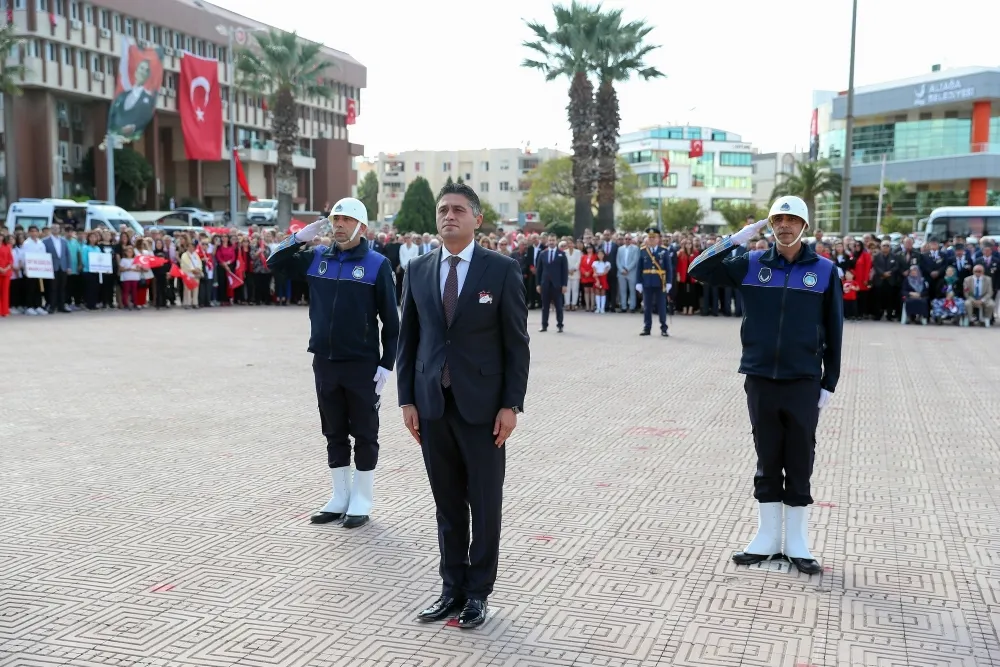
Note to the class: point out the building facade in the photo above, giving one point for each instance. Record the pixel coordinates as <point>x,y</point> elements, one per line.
<point>498,175</point>
<point>71,54</point>
<point>939,134</point>
<point>768,171</point>
<point>722,173</point>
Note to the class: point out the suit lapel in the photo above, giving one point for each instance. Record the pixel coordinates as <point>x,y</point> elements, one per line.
<point>470,289</point>
<point>434,266</point>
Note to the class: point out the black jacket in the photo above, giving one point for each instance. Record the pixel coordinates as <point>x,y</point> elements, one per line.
<point>793,321</point>
<point>486,346</point>
<point>349,292</point>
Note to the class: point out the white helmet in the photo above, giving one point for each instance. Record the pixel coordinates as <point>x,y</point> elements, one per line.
<point>349,207</point>
<point>788,205</point>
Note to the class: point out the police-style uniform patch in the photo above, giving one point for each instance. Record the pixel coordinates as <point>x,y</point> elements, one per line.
<point>358,272</point>
<point>322,267</point>
<point>764,275</point>
<point>786,207</point>
<point>810,279</point>
<point>338,208</point>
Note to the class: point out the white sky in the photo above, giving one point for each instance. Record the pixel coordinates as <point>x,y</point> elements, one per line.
<point>446,75</point>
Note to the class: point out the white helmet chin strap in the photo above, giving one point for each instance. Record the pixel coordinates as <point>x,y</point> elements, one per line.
<point>357,228</point>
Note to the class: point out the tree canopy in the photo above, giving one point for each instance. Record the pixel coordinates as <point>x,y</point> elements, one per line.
<point>416,213</point>
<point>551,190</point>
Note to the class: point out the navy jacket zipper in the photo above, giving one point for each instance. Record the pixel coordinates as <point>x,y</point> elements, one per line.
<point>781,323</point>
<point>333,308</point>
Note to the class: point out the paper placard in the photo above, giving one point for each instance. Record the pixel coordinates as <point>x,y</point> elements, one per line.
<point>38,265</point>
<point>99,262</point>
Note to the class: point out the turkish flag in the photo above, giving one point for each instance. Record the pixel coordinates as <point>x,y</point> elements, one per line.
<point>666,167</point>
<point>241,176</point>
<point>149,261</point>
<point>296,226</point>
<point>697,148</point>
<point>352,112</point>
<point>189,281</point>
<point>200,107</point>
<point>53,21</point>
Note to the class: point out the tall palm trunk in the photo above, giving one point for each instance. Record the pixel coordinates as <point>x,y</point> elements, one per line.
<point>607,125</point>
<point>581,121</point>
<point>286,138</point>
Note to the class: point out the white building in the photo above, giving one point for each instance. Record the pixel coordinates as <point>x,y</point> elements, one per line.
<point>498,175</point>
<point>767,173</point>
<point>722,173</point>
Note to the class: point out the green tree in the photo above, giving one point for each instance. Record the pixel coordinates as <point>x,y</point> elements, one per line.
<point>809,181</point>
<point>368,194</point>
<point>551,189</point>
<point>620,54</point>
<point>635,220</point>
<point>416,213</point>
<point>556,209</point>
<point>567,51</point>
<point>460,181</point>
<point>736,214</point>
<point>892,193</point>
<point>132,174</point>
<point>681,214</point>
<point>449,181</point>
<point>283,69</point>
<point>490,215</point>
<point>892,224</point>
<point>10,87</point>
<point>560,228</point>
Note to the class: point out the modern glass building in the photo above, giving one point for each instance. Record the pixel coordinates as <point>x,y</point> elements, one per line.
<point>722,173</point>
<point>939,135</point>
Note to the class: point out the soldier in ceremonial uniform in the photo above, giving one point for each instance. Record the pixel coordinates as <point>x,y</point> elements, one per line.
<point>350,289</point>
<point>791,335</point>
<point>655,270</point>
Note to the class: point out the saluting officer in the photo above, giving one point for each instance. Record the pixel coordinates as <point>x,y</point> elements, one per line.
<point>791,336</point>
<point>655,271</point>
<point>351,289</point>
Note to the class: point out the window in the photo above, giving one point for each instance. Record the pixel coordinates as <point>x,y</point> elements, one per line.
<point>504,186</point>
<point>484,165</point>
<point>675,133</point>
<point>129,28</point>
<point>188,43</point>
<point>210,50</point>
<point>638,157</point>
<point>199,48</point>
<point>50,51</point>
<point>504,165</point>
<point>718,136</point>
<point>77,155</point>
<point>142,29</point>
<point>60,7</point>
<point>67,55</point>
<point>693,133</point>
<point>81,59</point>
<point>95,63</point>
<point>63,149</point>
<point>74,11</point>
<point>35,49</point>
<point>105,19</point>
<point>157,34</point>
<point>42,5</point>
<point>88,15</point>
<point>117,20</point>
<point>484,187</point>
<point>446,166</point>
<point>467,177</point>
<point>503,209</point>
<point>416,166</point>
<point>178,40</point>
<point>734,159</point>
<point>655,180</point>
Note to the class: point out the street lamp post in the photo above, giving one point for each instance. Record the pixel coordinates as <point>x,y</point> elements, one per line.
<point>845,192</point>
<point>233,195</point>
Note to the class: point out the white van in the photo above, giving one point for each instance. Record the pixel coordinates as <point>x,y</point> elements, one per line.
<point>947,222</point>
<point>93,215</point>
<point>262,210</point>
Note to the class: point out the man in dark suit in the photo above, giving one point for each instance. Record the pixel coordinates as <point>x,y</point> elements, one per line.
<point>462,369</point>
<point>55,289</point>
<point>611,256</point>
<point>553,279</point>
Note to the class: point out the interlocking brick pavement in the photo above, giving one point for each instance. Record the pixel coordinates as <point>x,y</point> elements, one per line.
<point>158,468</point>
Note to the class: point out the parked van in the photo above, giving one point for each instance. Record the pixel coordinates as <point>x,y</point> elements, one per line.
<point>262,210</point>
<point>92,215</point>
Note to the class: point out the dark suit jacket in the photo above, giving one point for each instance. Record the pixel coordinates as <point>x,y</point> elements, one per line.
<point>554,273</point>
<point>486,345</point>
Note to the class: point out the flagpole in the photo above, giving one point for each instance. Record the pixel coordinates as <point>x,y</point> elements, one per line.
<point>845,192</point>
<point>109,149</point>
<point>659,187</point>
<point>881,190</point>
<point>232,133</point>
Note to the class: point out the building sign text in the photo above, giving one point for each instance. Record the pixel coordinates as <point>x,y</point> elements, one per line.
<point>941,92</point>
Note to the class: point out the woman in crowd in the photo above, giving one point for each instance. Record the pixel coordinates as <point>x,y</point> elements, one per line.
<point>587,277</point>
<point>573,257</point>
<point>17,282</point>
<point>191,265</point>
<point>91,281</point>
<point>6,271</point>
<point>107,246</point>
<point>948,306</point>
<point>601,268</point>
<point>261,275</point>
<point>160,275</point>
<point>843,259</point>
<point>687,292</point>
<point>862,277</point>
<point>915,297</point>
<point>243,294</point>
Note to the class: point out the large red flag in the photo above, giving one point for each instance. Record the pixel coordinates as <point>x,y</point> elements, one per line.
<point>200,106</point>
<point>241,176</point>
<point>697,148</point>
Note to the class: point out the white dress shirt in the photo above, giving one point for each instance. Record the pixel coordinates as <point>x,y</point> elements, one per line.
<point>462,268</point>
<point>407,253</point>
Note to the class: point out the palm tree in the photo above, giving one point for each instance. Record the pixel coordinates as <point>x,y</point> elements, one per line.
<point>620,54</point>
<point>892,193</point>
<point>11,76</point>
<point>283,69</point>
<point>808,181</point>
<point>568,52</point>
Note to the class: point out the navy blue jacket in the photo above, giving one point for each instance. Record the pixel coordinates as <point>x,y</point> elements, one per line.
<point>650,276</point>
<point>554,273</point>
<point>349,292</point>
<point>793,313</point>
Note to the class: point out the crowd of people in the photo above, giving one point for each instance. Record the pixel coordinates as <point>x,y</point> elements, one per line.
<point>955,283</point>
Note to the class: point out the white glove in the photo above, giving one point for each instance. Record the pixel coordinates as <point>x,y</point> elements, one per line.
<point>669,286</point>
<point>381,375</point>
<point>748,232</point>
<point>824,398</point>
<point>638,288</point>
<point>310,231</point>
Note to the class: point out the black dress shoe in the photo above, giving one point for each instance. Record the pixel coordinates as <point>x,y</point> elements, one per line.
<point>543,330</point>
<point>326,517</point>
<point>665,334</point>
<point>355,520</point>
<point>806,565</point>
<point>473,615</point>
<point>644,333</point>
<point>559,328</point>
<point>743,558</point>
<point>441,608</point>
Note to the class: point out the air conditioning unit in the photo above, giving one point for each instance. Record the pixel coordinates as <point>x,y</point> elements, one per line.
<point>168,50</point>
<point>76,24</point>
<point>105,33</point>
<point>98,76</point>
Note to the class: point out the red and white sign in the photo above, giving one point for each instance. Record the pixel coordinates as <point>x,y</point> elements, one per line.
<point>240,36</point>
<point>697,148</point>
<point>199,104</point>
<point>38,265</point>
<point>352,112</point>
<point>531,216</point>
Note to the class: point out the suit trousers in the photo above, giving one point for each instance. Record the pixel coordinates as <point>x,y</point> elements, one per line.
<point>91,289</point>
<point>654,298</point>
<point>466,471</point>
<point>626,290</point>
<point>784,415</point>
<point>348,407</point>
<point>32,293</point>
<point>552,295</point>
<point>55,292</point>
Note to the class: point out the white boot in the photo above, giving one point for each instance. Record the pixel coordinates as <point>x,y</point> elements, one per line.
<point>797,540</point>
<point>767,541</point>
<point>341,491</point>
<point>362,496</point>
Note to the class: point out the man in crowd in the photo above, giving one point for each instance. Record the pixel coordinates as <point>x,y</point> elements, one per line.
<point>628,264</point>
<point>553,280</point>
<point>462,376</point>
<point>350,291</point>
<point>655,271</point>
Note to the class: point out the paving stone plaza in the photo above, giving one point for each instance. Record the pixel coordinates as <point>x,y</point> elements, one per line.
<point>158,470</point>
